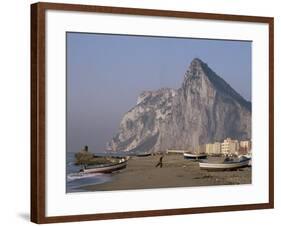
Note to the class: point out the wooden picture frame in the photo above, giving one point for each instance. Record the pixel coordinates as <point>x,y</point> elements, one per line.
<point>38,111</point>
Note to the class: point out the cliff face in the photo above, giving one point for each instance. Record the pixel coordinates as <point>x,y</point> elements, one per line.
<point>204,109</point>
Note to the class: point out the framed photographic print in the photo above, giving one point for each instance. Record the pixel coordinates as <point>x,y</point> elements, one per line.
<point>130,105</point>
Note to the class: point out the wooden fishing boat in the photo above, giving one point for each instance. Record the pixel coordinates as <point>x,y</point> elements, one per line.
<point>228,164</point>
<point>248,156</point>
<point>194,156</point>
<point>107,168</point>
<point>145,154</point>
<point>175,151</point>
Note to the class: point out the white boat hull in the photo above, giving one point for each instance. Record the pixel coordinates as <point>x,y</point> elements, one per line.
<point>194,156</point>
<point>107,169</point>
<point>223,166</point>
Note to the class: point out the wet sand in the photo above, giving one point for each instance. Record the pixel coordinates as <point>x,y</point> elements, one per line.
<point>141,173</point>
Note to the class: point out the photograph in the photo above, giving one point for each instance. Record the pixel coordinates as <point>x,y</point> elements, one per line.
<point>130,104</point>
<point>152,112</point>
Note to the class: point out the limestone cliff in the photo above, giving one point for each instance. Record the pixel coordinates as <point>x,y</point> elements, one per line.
<point>204,109</point>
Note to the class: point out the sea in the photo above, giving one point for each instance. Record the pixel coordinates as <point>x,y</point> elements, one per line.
<point>75,181</point>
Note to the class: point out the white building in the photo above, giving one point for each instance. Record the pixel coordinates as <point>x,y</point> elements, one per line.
<point>214,148</point>
<point>230,146</point>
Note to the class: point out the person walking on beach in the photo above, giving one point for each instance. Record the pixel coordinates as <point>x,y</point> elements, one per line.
<point>160,163</point>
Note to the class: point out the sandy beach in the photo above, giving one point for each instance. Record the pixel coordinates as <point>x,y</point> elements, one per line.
<point>141,173</point>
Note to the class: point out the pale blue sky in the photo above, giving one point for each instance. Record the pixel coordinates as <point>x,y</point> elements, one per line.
<point>106,73</point>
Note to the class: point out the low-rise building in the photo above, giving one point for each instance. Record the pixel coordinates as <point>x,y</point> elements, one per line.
<point>230,146</point>
<point>246,144</point>
<point>214,148</point>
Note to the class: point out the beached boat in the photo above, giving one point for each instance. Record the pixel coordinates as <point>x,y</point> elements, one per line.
<point>249,156</point>
<point>107,168</point>
<point>145,154</point>
<point>194,156</point>
<point>227,164</point>
<point>175,151</point>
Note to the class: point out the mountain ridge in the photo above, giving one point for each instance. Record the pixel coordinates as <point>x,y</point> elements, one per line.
<point>204,109</point>
<point>220,83</point>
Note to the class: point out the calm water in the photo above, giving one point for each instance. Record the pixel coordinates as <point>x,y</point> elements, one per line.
<point>76,180</point>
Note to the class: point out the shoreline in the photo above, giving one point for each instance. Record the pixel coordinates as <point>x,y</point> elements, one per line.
<point>141,173</point>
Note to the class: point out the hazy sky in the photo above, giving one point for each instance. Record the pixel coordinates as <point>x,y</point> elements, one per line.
<point>106,73</point>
